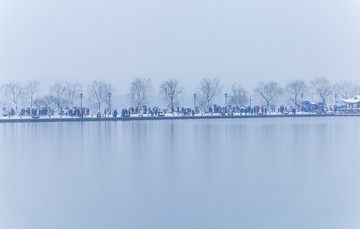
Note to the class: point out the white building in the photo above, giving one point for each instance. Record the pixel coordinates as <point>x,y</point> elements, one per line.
<point>353,102</point>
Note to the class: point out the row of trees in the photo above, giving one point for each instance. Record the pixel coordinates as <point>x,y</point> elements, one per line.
<point>61,94</point>
<point>99,92</point>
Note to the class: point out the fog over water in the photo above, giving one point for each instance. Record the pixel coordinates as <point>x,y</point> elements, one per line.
<point>256,173</point>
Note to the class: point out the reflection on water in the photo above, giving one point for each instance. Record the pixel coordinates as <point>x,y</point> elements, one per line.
<point>254,173</point>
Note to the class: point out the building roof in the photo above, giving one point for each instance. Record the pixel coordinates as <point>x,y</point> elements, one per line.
<point>355,99</point>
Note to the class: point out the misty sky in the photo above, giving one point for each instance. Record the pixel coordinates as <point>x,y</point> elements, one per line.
<point>236,41</point>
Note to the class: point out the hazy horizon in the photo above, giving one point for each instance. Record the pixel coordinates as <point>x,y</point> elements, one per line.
<point>237,42</point>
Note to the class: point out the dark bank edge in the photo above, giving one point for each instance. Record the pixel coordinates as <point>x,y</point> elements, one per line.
<point>26,120</point>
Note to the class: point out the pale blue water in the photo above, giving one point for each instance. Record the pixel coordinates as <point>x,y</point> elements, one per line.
<point>253,173</point>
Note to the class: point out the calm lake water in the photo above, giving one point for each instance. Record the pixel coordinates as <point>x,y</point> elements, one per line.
<point>254,173</point>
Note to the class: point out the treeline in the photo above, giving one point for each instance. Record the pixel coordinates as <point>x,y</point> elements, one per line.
<point>98,93</point>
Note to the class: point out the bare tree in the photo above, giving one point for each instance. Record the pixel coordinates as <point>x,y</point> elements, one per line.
<point>170,90</point>
<point>356,89</point>
<point>72,90</point>
<point>57,90</point>
<point>345,89</point>
<point>47,101</point>
<point>201,102</point>
<point>238,95</point>
<point>140,91</point>
<point>14,92</point>
<point>98,91</point>
<point>208,90</point>
<point>295,91</point>
<point>31,90</point>
<point>268,91</point>
<point>323,88</point>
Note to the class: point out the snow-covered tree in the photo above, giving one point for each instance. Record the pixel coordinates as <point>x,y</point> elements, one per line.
<point>31,90</point>
<point>323,88</point>
<point>268,91</point>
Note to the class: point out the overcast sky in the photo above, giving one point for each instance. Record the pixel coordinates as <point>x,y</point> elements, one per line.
<point>242,41</point>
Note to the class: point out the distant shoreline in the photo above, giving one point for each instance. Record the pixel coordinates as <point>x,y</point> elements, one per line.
<point>89,119</point>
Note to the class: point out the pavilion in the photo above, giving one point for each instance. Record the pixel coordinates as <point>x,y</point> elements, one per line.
<point>353,102</point>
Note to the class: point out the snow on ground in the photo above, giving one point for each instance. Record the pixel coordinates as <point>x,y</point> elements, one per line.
<point>146,116</point>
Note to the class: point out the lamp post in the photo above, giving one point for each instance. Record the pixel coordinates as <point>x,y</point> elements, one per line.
<point>194,101</point>
<point>250,104</point>
<point>336,99</point>
<point>109,95</point>
<point>226,97</point>
<point>336,102</point>
<point>81,109</point>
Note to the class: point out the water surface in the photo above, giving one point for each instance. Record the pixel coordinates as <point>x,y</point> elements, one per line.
<point>228,173</point>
